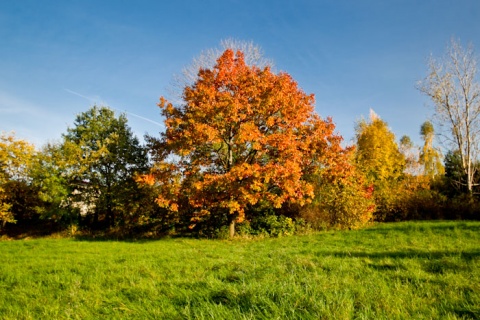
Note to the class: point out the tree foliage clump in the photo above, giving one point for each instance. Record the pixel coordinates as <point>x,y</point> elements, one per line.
<point>378,154</point>
<point>107,156</point>
<point>430,157</point>
<point>16,157</point>
<point>343,202</point>
<point>379,158</point>
<point>407,181</point>
<point>243,137</point>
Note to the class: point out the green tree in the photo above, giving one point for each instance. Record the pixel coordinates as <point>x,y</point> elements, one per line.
<point>53,170</point>
<point>455,176</point>
<point>108,158</point>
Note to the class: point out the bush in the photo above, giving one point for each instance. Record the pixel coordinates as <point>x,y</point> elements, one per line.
<point>274,226</point>
<point>464,206</point>
<point>345,203</point>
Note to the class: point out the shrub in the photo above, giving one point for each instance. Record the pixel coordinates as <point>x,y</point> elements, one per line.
<point>273,225</point>
<point>345,203</point>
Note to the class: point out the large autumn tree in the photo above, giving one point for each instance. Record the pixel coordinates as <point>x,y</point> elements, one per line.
<point>244,136</point>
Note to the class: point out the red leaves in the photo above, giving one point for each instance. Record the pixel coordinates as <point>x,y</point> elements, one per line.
<point>245,134</point>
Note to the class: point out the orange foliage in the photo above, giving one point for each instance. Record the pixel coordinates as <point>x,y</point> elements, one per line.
<point>147,179</point>
<point>242,136</point>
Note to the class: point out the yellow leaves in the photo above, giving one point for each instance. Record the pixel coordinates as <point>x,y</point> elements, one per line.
<point>147,179</point>
<point>249,133</point>
<point>165,203</point>
<point>16,161</point>
<point>270,121</point>
<point>198,185</point>
<point>163,102</point>
<point>174,207</point>
<point>205,133</point>
<point>16,157</point>
<point>234,207</point>
<point>255,187</point>
<point>5,214</point>
<point>378,154</point>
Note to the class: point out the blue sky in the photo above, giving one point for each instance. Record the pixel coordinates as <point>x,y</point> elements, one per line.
<point>58,58</point>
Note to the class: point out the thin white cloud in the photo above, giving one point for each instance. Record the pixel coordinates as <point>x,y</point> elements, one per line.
<point>91,99</point>
<point>140,117</point>
<point>10,104</point>
<point>28,120</point>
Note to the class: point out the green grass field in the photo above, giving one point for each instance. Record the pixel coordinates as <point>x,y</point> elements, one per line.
<point>414,270</point>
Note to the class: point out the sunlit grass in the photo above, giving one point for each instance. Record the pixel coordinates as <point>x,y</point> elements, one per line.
<point>392,271</point>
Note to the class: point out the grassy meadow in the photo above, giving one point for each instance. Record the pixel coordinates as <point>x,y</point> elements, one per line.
<point>408,270</point>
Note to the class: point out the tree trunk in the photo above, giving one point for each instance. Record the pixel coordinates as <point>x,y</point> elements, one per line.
<point>95,219</point>
<point>232,227</point>
<point>470,182</point>
<point>232,217</point>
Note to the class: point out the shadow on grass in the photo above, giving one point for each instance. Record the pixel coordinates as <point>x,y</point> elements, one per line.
<point>107,237</point>
<point>433,262</point>
<point>410,254</point>
<point>31,230</point>
<point>465,313</point>
<point>415,226</point>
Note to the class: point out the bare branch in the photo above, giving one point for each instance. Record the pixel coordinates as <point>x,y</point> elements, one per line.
<point>453,87</point>
<point>253,56</point>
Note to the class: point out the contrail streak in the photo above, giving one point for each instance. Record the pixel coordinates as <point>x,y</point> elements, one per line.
<point>124,111</point>
<point>140,117</point>
<point>80,95</point>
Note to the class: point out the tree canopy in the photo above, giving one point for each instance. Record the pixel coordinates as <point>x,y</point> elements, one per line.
<point>430,157</point>
<point>378,156</point>
<point>16,157</point>
<point>377,153</point>
<point>243,136</point>
<point>108,156</point>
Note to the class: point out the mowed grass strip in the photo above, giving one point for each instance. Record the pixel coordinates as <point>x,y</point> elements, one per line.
<point>419,270</point>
